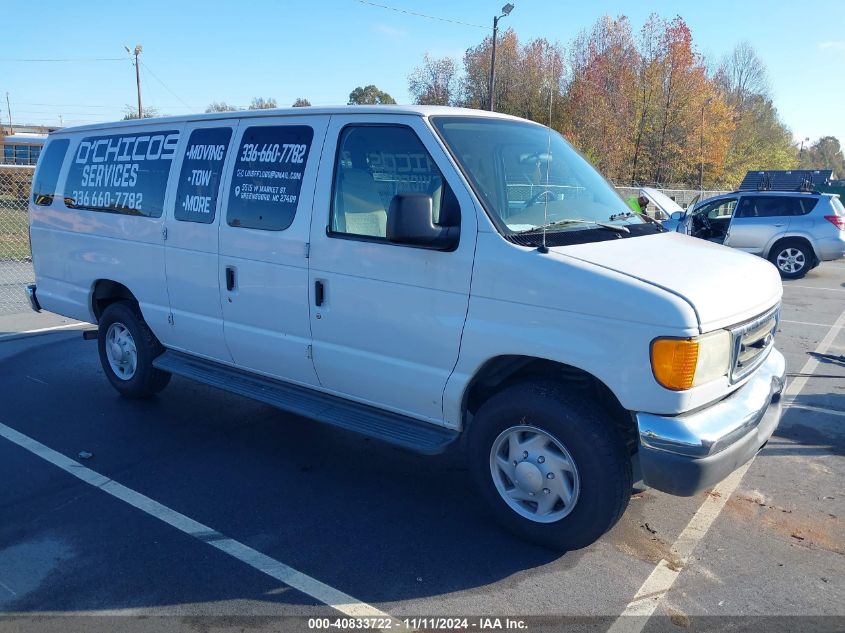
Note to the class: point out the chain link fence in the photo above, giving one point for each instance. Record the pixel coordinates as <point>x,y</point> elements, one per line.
<point>16,258</point>
<point>682,196</point>
<point>15,255</point>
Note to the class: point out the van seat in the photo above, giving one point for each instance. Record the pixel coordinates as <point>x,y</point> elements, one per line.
<point>362,208</point>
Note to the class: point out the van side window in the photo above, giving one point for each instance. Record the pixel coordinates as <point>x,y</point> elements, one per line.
<point>264,192</point>
<point>47,175</point>
<point>373,164</point>
<point>199,179</point>
<point>122,173</point>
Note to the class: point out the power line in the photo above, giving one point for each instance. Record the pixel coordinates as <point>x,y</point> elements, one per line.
<point>178,98</point>
<point>79,59</point>
<point>421,15</point>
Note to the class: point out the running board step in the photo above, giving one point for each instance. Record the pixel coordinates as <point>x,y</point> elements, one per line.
<point>392,428</point>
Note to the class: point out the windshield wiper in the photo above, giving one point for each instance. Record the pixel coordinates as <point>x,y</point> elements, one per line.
<point>611,227</point>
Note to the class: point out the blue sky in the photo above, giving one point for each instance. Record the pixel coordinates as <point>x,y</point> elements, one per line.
<point>197,52</point>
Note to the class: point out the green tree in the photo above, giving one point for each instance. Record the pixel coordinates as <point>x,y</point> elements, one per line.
<point>301,103</point>
<point>260,103</point>
<point>220,106</point>
<point>760,140</point>
<point>370,95</point>
<point>826,153</point>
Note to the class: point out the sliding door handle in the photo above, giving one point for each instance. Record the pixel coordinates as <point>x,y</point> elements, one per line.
<point>319,293</point>
<point>230,278</point>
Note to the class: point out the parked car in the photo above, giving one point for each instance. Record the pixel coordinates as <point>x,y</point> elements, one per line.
<point>423,276</point>
<point>796,231</point>
<point>661,207</point>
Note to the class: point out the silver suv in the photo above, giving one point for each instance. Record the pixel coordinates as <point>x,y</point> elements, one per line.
<point>795,231</point>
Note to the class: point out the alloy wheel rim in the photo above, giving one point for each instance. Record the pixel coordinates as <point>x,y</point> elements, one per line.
<point>791,260</point>
<point>121,351</point>
<point>534,474</point>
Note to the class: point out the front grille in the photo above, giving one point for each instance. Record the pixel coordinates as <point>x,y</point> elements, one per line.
<point>751,342</point>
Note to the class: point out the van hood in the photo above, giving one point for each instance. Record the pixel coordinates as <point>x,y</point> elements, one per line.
<point>724,286</point>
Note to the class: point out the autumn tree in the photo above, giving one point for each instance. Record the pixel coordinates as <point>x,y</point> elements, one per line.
<point>260,103</point>
<point>301,103</point>
<point>369,95</point>
<point>601,100</point>
<point>220,106</point>
<point>434,82</point>
<point>644,107</point>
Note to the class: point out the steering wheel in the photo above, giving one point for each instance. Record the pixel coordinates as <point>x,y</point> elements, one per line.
<point>536,197</point>
<point>704,222</point>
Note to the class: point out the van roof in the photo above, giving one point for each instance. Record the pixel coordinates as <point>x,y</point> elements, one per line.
<point>423,111</point>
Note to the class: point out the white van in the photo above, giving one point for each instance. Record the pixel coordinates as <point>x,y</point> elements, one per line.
<point>420,275</point>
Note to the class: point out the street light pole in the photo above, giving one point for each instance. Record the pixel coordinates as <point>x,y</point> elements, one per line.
<point>505,11</point>
<point>801,151</point>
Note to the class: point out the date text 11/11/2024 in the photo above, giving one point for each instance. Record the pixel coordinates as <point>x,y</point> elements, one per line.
<point>429,623</point>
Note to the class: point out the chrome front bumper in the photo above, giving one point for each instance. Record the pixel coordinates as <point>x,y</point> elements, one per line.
<point>33,300</point>
<point>684,454</point>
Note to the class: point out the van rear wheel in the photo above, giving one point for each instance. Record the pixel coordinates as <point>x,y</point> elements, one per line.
<point>127,348</point>
<point>551,466</point>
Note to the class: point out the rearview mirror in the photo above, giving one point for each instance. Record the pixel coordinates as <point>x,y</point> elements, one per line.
<point>410,221</point>
<point>677,215</point>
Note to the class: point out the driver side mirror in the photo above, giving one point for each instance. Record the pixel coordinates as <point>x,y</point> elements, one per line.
<point>410,221</point>
<point>677,215</point>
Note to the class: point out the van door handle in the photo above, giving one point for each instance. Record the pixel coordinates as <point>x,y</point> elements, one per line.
<point>230,278</point>
<point>781,224</point>
<point>319,293</point>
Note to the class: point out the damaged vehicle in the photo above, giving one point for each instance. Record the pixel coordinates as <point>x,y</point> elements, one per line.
<point>795,230</point>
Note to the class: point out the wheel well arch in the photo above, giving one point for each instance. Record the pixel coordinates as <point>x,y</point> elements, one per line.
<point>792,238</point>
<point>104,292</point>
<point>501,372</point>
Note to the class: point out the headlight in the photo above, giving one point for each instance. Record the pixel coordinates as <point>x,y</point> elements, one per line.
<point>681,363</point>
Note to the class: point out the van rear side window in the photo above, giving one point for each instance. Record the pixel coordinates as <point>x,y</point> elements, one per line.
<point>264,192</point>
<point>122,173</point>
<point>199,180</point>
<point>47,176</point>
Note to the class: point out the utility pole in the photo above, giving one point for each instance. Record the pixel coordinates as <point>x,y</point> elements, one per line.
<point>9,108</point>
<point>701,149</point>
<point>505,11</point>
<point>136,52</point>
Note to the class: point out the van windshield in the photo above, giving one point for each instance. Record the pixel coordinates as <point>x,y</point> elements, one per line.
<point>528,178</point>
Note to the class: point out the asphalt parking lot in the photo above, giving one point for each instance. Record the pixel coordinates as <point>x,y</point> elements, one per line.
<point>398,534</point>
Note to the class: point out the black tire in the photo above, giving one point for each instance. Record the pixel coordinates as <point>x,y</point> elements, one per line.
<point>802,253</point>
<point>146,379</point>
<point>591,439</point>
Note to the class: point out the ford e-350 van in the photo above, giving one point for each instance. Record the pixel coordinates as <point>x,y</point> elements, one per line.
<point>425,276</point>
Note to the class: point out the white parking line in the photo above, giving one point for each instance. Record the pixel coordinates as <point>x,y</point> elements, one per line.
<point>810,407</point>
<point>636,614</point>
<point>814,288</point>
<point>330,596</point>
<point>44,330</point>
<point>806,323</point>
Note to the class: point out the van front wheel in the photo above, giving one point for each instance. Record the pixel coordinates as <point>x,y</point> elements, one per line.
<point>127,349</point>
<point>550,465</point>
